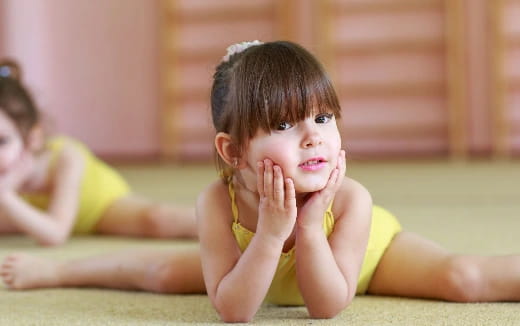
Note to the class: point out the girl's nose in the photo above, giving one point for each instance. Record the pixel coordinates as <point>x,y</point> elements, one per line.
<point>312,137</point>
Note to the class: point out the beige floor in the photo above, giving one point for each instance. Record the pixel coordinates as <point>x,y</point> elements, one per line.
<point>467,208</point>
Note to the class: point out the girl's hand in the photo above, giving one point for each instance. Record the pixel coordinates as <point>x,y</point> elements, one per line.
<point>277,209</point>
<point>311,213</point>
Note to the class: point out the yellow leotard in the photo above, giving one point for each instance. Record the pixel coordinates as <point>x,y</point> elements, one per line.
<point>100,186</point>
<point>284,288</point>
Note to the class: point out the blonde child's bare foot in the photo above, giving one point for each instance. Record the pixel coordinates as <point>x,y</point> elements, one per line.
<point>22,271</point>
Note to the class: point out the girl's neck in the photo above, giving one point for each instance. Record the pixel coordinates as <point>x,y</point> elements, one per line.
<point>245,194</point>
<point>301,198</point>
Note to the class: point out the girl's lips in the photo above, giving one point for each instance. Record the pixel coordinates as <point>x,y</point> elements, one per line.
<point>313,164</point>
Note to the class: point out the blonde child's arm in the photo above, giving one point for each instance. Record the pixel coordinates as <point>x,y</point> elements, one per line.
<point>50,227</point>
<point>328,269</point>
<point>236,282</point>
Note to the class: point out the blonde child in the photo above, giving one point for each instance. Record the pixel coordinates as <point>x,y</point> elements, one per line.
<point>52,188</point>
<point>284,224</point>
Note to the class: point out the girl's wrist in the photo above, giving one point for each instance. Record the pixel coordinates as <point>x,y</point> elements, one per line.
<point>309,232</point>
<point>271,241</point>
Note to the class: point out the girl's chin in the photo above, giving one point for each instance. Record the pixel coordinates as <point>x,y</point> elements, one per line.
<point>306,188</point>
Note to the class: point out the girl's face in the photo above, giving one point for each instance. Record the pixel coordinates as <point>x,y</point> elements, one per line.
<point>307,151</point>
<point>11,143</point>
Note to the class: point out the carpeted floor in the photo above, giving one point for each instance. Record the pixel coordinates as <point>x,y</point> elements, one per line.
<point>470,208</point>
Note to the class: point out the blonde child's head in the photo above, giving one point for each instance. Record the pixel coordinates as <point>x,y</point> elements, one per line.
<point>15,101</point>
<point>259,85</point>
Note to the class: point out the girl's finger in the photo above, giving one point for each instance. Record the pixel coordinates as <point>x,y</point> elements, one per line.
<point>268,179</point>
<point>342,163</point>
<point>338,173</point>
<point>331,187</point>
<point>8,279</point>
<point>278,188</point>
<point>334,176</point>
<point>290,193</point>
<point>260,178</point>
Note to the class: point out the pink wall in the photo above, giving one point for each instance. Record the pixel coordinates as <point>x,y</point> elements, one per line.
<point>477,56</point>
<point>92,67</point>
<point>2,27</point>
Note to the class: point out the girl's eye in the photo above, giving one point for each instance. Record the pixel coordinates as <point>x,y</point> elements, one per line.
<point>284,125</point>
<point>324,117</point>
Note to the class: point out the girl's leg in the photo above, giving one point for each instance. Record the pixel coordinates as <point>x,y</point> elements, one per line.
<point>415,267</point>
<point>135,216</point>
<point>165,272</point>
<point>6,227</point>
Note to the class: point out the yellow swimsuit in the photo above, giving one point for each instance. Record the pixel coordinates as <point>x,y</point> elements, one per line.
<point>100,186</point>
<point>284,288</point>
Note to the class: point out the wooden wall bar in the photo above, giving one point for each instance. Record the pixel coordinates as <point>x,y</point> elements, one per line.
<point>393,81</point>
<point>406,71</point>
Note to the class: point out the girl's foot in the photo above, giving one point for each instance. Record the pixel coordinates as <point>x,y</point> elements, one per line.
<point>21,271</point>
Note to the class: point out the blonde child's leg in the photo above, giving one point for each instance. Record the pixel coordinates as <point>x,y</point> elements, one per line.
<point>6,227</point>
<point>164,272</point>
<point>136,216</point>
<point>415,267</point>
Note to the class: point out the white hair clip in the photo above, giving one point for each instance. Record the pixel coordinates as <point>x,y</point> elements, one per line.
<point>239,47</point>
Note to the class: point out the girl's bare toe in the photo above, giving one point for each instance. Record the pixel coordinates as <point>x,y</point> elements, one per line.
<point>22,271</point>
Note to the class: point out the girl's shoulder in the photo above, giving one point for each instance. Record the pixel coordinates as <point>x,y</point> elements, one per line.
<point>57,144</point>
<point>216,189</point>
<point>66,155</point>
<point>214,199</point>
<point>351,195</point>
<point>214,212</point>
<point>56,159</point>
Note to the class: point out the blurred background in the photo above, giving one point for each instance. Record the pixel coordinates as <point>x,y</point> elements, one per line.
<point>131,78</point>
<point>430,93</point>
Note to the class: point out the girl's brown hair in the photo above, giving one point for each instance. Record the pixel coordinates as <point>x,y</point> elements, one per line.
<point>15,100</point>
<point>265,85</point>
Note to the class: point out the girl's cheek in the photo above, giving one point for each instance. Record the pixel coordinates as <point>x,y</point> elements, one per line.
<point>7,160</point>
<point>278,154</point>
<point>4,164</point>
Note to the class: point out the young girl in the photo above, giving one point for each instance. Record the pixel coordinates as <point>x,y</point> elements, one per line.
<point>284,225</point>
<point>52,188</point>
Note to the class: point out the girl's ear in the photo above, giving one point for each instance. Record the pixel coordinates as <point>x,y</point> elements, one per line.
<point>35,138</point>
<point>227,150</point>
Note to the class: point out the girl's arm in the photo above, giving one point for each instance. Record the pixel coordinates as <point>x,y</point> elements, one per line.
<point>236,282</point>
<point>328,270</point>
<point>52,227</point>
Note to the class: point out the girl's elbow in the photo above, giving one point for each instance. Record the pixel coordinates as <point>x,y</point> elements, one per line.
<point>324,314</point>
<point>235,317</point>
<point>233,314</point>
<point>329,311</point>
<point>235,320</point>
<point>53,240</point>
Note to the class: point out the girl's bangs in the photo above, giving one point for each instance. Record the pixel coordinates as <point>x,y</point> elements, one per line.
<point>300,96</point>
<point>279,82</point>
